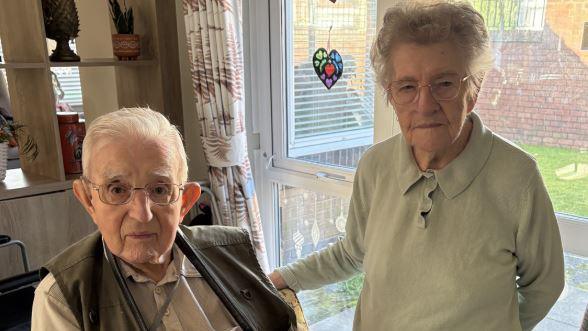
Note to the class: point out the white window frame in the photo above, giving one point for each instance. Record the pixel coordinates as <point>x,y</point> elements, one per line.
<point>281,162</point>
<point>269,161</point>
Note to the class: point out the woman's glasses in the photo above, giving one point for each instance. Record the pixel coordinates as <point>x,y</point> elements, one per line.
<point>443,88</point>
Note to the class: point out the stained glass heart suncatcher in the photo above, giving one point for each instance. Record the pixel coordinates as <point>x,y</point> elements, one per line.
<point>328,66</point>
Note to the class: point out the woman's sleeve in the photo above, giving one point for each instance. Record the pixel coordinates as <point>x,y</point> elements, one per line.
<point>540,265</point>
<point>339,260</point>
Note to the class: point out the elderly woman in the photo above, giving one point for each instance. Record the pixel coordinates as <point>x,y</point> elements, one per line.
<point>450,223</point>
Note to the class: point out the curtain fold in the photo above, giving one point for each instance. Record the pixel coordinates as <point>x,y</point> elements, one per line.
<point>215,49</point>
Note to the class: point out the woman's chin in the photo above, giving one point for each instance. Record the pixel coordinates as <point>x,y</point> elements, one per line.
<point>433,146</point>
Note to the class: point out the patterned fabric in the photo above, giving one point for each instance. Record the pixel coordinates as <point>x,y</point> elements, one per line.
<point>215,49</point>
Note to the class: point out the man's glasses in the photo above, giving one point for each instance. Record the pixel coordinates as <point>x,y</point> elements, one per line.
<point>444,88</point>
<point>120,193</point>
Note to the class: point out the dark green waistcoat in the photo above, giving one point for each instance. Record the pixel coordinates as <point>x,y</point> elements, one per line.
<point>91,291</point>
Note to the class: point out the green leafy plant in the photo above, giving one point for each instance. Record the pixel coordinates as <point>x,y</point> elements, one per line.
<point>123,19</point>
<point>16,135</point>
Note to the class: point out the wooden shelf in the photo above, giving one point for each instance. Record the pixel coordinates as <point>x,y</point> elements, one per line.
<point>18,184</point>
<point>22,65</point>
<point>106,83</point>
<point>82,63</point>
<point>103,63</point>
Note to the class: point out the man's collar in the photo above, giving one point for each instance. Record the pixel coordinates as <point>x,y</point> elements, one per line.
<point>179,262</point>
<point>459,173</point>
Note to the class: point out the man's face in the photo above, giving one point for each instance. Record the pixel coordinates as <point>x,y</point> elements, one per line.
<point>139,231</point>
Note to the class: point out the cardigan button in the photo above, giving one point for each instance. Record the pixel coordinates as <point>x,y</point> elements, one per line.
<point>93,316</point>
<point>246,294</point>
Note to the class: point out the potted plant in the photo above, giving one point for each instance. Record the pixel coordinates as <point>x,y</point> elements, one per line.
<point>125,44</point>
<point>11,135</point>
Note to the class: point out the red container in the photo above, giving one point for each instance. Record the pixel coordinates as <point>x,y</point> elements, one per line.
<point>72,134</point>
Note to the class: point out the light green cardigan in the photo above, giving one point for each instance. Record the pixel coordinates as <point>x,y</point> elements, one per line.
<point>474,246</point>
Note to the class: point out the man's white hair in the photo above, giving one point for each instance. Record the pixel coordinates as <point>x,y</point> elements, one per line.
<point>141,123</point>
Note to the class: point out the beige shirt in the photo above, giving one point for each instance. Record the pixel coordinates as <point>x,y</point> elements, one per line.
<point>194,305</point>
<point>473,246</point>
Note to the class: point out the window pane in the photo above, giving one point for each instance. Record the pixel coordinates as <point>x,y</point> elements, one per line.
<point>568,311</point>
<point>333,126</point>
<point>66,85</point>
<point>309,222</point>
<point>537,93</point>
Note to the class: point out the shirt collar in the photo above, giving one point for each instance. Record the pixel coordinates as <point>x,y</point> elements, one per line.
<point>179,262</point>
<point>460,172</point>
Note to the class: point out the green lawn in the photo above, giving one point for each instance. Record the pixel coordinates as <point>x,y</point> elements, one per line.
<point>569,190</point>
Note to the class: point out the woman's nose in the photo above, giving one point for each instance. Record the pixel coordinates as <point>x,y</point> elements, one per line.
<point>426,103</point>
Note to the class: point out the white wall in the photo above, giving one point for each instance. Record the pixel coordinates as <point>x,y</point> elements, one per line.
<point>385,123</point>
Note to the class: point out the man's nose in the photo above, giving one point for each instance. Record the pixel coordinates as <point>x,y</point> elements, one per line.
<point>426,103</point>
<point>140,207</point>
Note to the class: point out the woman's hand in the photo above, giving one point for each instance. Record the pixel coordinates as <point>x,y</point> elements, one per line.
<point>278,280</point>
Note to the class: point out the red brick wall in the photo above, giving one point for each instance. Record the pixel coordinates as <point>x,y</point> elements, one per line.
<point>538,93</point>
<point>566,18</point>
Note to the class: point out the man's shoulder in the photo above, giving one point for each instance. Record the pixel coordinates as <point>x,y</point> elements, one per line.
<point>82,252</point>
<point>204,236</point>
<point>50,308</point>
<point>48,288</point>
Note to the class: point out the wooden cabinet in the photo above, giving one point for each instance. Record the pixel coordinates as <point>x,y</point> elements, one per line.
<point>46,224</point>
<point>36,204</point>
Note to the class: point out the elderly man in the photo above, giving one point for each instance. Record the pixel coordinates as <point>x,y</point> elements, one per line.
<point>143,270</point>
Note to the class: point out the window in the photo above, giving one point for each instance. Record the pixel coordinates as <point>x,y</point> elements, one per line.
<point>584,46</point>
<point>536,96</point>
<point>329,126</point>
<point>69,82</point>
<point>513,20</point>
<point>67,86</point>
<point>309,221</point>
<point>530,15</point>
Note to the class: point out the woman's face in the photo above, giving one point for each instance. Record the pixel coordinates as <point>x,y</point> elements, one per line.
<point>427,124</point>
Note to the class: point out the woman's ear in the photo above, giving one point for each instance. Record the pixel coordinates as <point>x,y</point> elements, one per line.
<point>190,195</point>
<point>84,196</point>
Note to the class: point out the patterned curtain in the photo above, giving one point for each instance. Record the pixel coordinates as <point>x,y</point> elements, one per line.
<point>215,49</point>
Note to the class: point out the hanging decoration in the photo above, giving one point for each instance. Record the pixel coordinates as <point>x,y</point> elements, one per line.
<point>298,243</point>
<point>298,237</point>
<point>315,232</point>
<point>328,65</point>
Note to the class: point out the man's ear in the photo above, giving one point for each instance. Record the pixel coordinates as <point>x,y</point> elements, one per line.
<point>190,195</point>
<point>84,196</point>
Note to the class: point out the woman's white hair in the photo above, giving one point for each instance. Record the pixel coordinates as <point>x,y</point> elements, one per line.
<point>431,21</point>
<point>141,123</point>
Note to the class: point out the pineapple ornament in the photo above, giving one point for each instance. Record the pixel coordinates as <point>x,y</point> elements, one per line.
<point>61,24</point>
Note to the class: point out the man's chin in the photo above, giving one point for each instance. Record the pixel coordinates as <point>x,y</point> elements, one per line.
<point>141,256</point>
